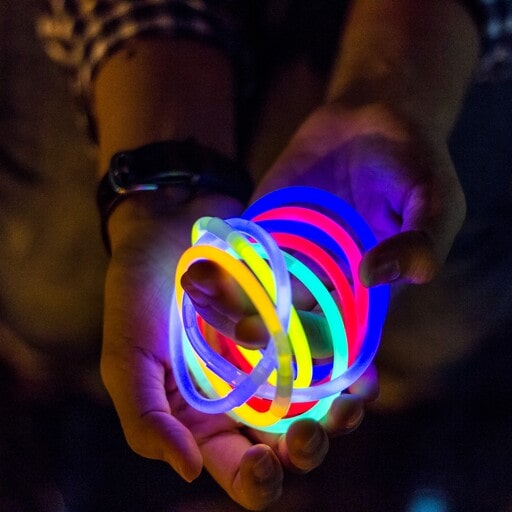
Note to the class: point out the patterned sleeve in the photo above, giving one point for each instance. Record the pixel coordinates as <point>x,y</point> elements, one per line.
<point>496,63</point>
<point>80,34</point>
<point>495,22</point>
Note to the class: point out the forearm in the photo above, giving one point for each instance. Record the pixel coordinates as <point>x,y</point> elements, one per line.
<point>414,57</point>
<point>157,89</point>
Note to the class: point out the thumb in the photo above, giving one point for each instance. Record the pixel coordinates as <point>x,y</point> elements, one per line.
<point>431,220</point>
<point>409,257</point>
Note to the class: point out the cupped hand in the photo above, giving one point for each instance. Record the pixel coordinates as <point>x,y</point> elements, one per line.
<point>397,175</point>
<point>147,241</point>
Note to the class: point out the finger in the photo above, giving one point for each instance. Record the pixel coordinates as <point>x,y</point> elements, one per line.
<point>218,298</point>
<point>432,214</point>
<point>318,334</point>
<point>251,332</point>
<point>223,304</point>
<point>347,411</point>
<point>304,446</point>
<point>367,386</point>
<point>251,475</point>
<point>409,257</point>
<point>135,382</point>
<point>345,415</point>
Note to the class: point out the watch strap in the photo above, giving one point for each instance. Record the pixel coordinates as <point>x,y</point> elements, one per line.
<point>174,163</point>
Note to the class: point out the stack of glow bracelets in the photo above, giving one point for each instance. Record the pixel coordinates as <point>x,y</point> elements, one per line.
<point>270,388</point>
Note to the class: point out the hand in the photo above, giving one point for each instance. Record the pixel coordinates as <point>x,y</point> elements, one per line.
<point>135,366</point>
<point>398,177</point>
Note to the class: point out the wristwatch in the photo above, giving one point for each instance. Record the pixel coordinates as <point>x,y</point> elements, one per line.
<point>174,163</point>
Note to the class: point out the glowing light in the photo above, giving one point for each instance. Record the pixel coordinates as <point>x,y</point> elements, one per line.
<point>263,250</point>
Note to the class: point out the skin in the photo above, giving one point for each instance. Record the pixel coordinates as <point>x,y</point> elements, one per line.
<point>378,139</point>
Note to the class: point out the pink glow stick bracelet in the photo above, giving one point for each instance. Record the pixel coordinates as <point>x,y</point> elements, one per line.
<point>269,389</point>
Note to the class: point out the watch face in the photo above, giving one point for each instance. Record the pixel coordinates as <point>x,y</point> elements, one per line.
<point>153,166</point>
<point>119,173</point>
<point>174,164</point>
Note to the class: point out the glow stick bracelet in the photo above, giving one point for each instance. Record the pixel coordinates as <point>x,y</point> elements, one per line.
<point>282,291</point>
<point>233,385</point>
<point>265,308</point>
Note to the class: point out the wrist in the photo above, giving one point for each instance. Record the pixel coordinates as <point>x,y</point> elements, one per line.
<point>417,59</point>
<point>428,117</point>
<point>142,215</point>
<point>162,220</point>
<point>162,177</point>
<point>341,121</point>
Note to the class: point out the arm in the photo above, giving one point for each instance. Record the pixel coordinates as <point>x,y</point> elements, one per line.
<point>187,90</point>
<point>148,233</point>
<point>137,100</point>
<point>132,369</point>
<point>417,59</point>
<point>160,89</point>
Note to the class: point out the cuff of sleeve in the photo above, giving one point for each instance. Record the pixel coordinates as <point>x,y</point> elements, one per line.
<point>496,64</point>
<point>82,39</point>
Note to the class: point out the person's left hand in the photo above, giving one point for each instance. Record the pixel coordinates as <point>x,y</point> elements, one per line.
<point>136,369</point>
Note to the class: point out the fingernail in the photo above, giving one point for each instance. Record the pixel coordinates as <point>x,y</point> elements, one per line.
<point>264,468</point>
<point>188,474</point>
<point>198,297</point>
<point>198,283</point>
<point>188,471</point>
<point>186,477</point>
<point>385,272</point>
<point>355,419</point>
<point>314,443</point>
<point>202,272</point>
